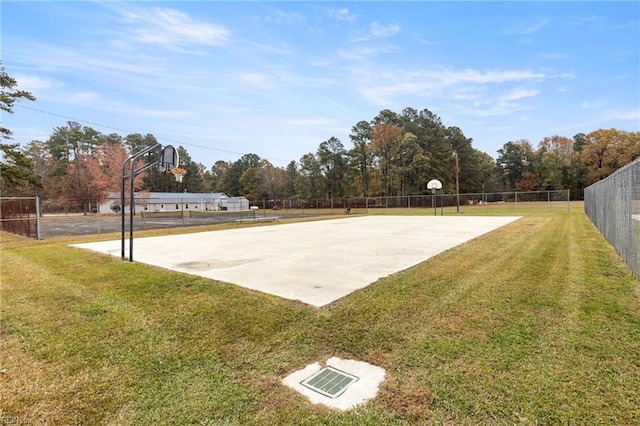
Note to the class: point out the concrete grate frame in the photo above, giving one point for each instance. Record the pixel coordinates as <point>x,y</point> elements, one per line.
<point>329,382</point>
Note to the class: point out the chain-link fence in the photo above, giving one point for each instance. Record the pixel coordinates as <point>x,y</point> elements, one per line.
<point>66,217</point>
<point>613,205</point>
<point>20,215</point>
<point>479,203</point>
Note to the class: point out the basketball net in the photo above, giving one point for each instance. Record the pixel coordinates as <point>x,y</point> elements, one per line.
<point>178,173</point>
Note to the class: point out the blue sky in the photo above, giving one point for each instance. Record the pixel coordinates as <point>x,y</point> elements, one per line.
<point>276,79</point>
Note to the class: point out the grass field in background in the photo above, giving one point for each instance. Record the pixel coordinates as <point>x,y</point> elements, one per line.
<point>537,322</point>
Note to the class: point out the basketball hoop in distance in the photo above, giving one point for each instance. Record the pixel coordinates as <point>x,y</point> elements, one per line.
<point>433,185</point>
<point>179,173</point>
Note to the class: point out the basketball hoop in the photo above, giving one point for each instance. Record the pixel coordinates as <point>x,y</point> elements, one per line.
<point>178,173</point>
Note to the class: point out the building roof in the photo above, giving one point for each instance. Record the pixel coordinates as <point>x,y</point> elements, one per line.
<point>176,197</point>
<point>186,196</point>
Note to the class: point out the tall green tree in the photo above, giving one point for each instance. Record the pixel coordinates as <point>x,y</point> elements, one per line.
<point>193,181</point>
<point>555,163</point>
<point>606,150</point>
<point>310,183</point>
<point>489,173</point>
<point>361,156</point>
<point>136,142</point>
<point>232,185</point>
<point>385,145</point>
<point>273,181</point>
<point>469,173</point>
<point>17,177</point>
<point>292,176</point>
<point>9,95</point>
<point>410,165</point>
<point>332,158</point>
<point>579,140</point>
<point>16,169</point>
<point>218,174</point>
<point>515,159</point>
<point>251,183</point>
<point>67,142</point>
<point>431,134</point>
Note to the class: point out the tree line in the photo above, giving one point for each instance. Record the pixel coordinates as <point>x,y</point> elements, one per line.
<point>393,154</point>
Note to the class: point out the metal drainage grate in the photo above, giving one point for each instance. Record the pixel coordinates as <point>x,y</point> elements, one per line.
<point>329,382</point>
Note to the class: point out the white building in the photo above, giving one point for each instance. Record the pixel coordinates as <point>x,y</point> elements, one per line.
<point>237,204</point>
<point>177,201</point>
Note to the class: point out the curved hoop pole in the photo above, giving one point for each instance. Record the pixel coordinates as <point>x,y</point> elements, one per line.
<point>131,176</point>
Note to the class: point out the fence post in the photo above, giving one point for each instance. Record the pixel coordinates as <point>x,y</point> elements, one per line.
<point>630,219</point>
<point>38,236</point>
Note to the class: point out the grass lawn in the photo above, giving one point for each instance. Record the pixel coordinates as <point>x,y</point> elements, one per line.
<point>537,322</point>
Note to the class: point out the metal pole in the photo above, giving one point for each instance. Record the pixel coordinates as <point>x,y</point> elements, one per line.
<point>38,236</point>
<point>434,204</point>
<point>457,184</point>
<point>131,212</point>
<point>122,189</point>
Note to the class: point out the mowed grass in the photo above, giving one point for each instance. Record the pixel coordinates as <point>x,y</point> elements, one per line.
<point>537,322</point>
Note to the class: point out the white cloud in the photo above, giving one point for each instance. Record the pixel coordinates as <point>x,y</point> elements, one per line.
<point>255,79</point>
<point>281,17</point>
<point>278,78</point>
<point>518,94</point>
<point>587,20</point>
<point>359,52</point>
<point>467,91</point>
<point>605,120</point>
<point>342,14</point>
<point>160,113</point>
<point>630,114</point>
<point>315,122</point>
<point>553,56</point>
<point>590,105</point>
<point>378,30</point>
<point>528,28</point>
<point>32,83</point>
<point>171,27</point>
<point>475,76</point>
<point>85,98</point>
<point>489,108</point>
<point>99,102</point>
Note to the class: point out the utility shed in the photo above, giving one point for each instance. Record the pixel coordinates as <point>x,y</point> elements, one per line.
<point>237,204</point>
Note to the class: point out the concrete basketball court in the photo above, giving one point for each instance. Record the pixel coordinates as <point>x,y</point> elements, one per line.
<point>314,262</point>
